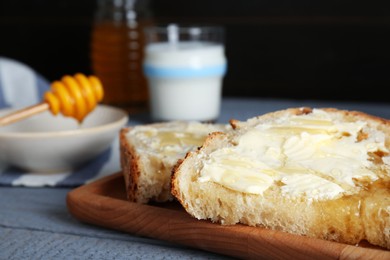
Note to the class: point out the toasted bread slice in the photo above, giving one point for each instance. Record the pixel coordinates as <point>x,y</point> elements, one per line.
<point>149,152</point>
<point>322,173</point>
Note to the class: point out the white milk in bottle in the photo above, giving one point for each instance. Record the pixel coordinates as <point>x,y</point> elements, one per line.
<point>185,77</point>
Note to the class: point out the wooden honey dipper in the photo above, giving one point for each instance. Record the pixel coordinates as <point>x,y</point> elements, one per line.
<point>73,96</point>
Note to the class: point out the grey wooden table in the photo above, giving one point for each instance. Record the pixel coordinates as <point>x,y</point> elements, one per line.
<point>35,223</point>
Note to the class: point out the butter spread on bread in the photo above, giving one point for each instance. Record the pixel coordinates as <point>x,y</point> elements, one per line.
<point>322,173</point>
<point>309,155</point>
<point>149,152</point>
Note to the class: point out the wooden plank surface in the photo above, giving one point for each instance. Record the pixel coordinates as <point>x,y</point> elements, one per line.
<point>104,203</point>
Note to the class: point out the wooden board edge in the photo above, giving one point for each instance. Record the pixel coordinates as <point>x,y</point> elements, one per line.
<point>89,204</point>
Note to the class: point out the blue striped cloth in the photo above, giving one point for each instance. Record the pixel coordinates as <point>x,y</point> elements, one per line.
<point>22,86</point>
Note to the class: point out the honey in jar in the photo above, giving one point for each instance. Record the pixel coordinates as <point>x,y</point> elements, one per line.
<point>117,52</point>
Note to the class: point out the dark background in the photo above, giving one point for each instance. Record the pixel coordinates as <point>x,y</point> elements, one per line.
<point>336,50</point>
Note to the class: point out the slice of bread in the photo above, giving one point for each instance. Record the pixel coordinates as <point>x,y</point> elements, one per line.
<point>322,173</point>
<point>149,152</point>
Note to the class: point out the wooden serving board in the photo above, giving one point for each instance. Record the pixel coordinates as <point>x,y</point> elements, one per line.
<point>104,203</point>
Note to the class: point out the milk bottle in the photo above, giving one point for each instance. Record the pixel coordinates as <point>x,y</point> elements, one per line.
<point>185,69</point>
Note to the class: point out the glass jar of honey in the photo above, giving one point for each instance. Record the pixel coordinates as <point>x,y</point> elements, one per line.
<point>117,52</point>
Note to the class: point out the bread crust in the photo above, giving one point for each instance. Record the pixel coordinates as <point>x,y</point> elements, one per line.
<point>130,166</point>
<point>349,219</point>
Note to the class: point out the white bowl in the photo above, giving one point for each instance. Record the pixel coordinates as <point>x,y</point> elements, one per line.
<point>47,143</point>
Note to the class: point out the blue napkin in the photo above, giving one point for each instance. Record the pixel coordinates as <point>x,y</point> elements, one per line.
<point>22,86</point>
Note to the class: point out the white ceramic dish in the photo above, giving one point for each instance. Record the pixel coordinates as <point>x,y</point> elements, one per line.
<point>47,143</point>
